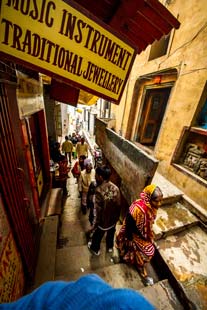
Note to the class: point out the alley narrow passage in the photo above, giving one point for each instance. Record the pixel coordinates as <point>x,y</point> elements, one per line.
<point>73,259</point>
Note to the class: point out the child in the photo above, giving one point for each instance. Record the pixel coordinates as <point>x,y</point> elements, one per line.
<point>78,167</point>
<point>84,181</point>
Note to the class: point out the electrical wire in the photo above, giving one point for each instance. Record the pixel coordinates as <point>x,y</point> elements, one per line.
<point>194,70</point>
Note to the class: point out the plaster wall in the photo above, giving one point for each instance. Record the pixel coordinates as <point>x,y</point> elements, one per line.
<point>187,53</point>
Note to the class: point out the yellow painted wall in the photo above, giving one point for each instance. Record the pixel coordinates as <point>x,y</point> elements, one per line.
<point>187,52</point>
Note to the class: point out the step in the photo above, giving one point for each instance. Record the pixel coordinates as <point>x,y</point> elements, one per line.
<point>45,270</point>
<point>118,276</point>
<point>74,231</point>
<point>171,193</point>
<point>55,202</point>
<point>72,210</point>
<point>73,259</point>
<point>185,254</point>
<point>196,209</point>
<point>121,275</point>
<point>162,296</point>
<point>171,219</point>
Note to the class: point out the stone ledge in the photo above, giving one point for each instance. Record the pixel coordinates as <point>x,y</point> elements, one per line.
<point>171,193</point>
<point>196,209</point>
<point>55,202</point>
<point>45,270</point>
<point>171,219</point>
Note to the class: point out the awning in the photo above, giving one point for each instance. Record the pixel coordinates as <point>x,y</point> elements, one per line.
<point>67,94</point>
<point>86,98</point>
<point>139,21</point>
<point>64,93</point>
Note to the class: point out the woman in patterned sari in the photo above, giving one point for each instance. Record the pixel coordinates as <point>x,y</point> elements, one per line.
<point>135,238</point>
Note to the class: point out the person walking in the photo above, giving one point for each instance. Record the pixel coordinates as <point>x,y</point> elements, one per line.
<point>67,148</point>
<point>86,177</point>
<point>106,210</point>
<point>82,148</point>
<point>78,167</point>
<point>74,141</point>
<point>56,155</point>
<point>135,238</point>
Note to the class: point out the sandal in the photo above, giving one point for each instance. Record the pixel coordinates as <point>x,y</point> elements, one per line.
<point>148,281</point>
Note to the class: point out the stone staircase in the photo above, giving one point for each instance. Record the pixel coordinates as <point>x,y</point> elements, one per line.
<point>73,259</point>
<point>181,241</point>
<point>179,267</point>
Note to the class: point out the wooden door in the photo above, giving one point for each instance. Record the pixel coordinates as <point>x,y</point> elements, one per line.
<point>154,108</point>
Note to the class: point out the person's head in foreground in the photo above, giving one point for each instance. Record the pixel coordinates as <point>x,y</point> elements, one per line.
<point>89,292</point>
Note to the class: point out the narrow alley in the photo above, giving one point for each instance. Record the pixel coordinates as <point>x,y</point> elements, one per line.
<point>73,259</point>
<point>124,83</point>
<point>64,254</point>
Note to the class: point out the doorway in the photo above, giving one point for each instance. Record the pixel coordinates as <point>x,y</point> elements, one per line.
<point>154,106</point>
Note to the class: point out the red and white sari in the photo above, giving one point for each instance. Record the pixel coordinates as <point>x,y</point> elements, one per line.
<point>140,248</point>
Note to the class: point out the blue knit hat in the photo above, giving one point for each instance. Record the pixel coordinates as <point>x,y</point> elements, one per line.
<point>90,292</point>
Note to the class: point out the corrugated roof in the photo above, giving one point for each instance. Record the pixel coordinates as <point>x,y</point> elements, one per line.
<point>139,21</point>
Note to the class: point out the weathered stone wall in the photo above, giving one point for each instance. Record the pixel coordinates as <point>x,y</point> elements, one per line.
<point>135,168</point>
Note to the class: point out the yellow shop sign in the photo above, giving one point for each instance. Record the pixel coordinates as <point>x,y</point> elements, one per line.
<point>60,40</point>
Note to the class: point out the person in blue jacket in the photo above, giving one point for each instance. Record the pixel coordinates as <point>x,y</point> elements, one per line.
<point>88,292</point>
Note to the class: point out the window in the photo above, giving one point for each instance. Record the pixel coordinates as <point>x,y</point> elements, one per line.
<point>202,117</point>
<point>191,152</point>
<point>159,48</point>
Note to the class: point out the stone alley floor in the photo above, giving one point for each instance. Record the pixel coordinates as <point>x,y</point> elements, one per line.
<point>180,259</point>
<point>73,259</point>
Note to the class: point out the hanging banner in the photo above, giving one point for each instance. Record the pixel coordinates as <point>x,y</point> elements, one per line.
<point>58,39</point>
